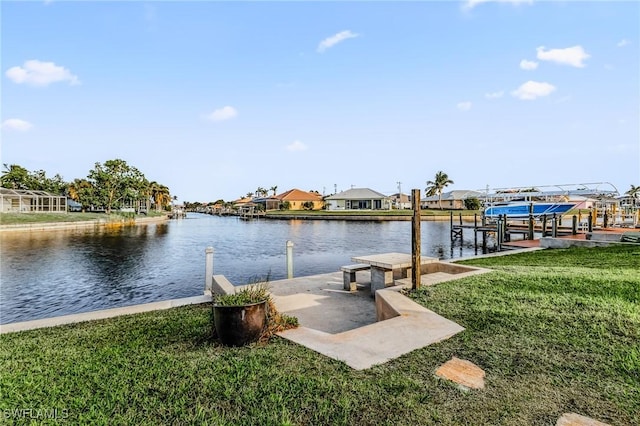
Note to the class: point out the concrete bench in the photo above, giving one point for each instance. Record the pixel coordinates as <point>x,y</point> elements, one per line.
<point>349,275</point>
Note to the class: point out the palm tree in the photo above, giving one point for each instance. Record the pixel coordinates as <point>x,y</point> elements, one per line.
<point>274,188</point>
<point>634,191</point>
<point>261,192</point>
<point>160,194</point>
<point>437,185</point>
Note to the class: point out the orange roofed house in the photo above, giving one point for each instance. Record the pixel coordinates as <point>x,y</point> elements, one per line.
<point>301,200</point>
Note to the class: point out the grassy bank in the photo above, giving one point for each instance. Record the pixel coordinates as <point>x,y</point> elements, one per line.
<point>555,331</point>
<point>25,218</point>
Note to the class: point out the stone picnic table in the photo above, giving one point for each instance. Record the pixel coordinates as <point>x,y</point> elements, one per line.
<point>387,267</point>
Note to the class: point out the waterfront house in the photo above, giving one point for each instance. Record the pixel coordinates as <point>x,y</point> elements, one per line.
<point>301,200</point>
<point>401,201</point>
<point>358,199</point>
<point>267,203</point>
<point>452,200</point>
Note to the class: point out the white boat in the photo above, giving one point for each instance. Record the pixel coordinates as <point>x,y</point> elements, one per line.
<point>522,209</point>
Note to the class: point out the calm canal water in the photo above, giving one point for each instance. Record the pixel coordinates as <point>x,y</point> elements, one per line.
<point>46,274</point>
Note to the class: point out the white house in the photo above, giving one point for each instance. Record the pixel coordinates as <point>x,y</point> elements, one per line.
<point>358,199</point>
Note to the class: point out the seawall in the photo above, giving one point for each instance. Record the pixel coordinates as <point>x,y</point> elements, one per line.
<point>88,224</point>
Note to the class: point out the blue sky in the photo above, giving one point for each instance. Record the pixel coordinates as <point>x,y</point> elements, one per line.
<point>216,99</point>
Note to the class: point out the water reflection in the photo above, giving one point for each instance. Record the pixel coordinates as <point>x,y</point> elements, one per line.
<point>53,273</point>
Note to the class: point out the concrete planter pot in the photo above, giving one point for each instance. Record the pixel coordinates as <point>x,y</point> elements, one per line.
<point>240,325</point>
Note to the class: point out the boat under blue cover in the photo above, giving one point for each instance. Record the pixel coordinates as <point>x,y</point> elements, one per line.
<point>522,209</point>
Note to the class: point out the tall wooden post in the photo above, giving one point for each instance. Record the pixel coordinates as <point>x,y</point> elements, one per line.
<point>415,240</point>
<point>531,227</point>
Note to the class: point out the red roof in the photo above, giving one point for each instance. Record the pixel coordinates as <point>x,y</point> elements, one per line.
<point>298,195</point>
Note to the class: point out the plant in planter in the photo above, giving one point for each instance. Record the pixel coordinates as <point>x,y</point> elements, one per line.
<point>248,315</point>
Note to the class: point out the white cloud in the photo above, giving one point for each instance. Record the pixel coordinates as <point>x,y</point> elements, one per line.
<point>222,114</point>
<point>335,39</point>
<point>464,106</point>
<point>470,4</point>
<point>37,73</point>
<point>532,90</point>
<point>623,42</point>
<point>296,146</point>
<point>494,95</point>
<point>528,65</point>
<point>16,124</point>
<point>573,56</point>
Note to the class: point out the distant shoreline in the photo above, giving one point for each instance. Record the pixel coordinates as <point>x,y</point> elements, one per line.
<point>375,218</point>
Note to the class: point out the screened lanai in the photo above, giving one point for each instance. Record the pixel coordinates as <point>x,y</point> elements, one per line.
<point>26,201</point>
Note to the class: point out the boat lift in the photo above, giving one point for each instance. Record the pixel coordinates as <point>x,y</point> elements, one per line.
<point>600,200</point>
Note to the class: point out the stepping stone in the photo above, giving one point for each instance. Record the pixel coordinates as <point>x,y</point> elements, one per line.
<point>465,373</point>
<point>573,419</point>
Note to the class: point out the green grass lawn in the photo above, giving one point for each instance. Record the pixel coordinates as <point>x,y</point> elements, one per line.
<point>556,331</point>
<point>24,218</point>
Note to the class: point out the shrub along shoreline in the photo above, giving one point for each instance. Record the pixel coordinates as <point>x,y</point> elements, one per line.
<point>556,331</point>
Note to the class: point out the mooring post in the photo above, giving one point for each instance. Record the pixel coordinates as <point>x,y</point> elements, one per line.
<point>544,225</point>
<point>208,270</point>
<point>605,219</point>
<point>590,223</point>
<point>574,225</point>
<point>475,231</point>
<point>554,226</point>
<point>484,233</point>
<point>416,271</point>
<point>289,259</point>
<point>499,232</point>
<point>531,236</point>
<point>451,226</point>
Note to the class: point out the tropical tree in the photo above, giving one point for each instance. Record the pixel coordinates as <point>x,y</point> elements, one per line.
<point>261,192</point>
<point>15,177</point>
<point>82,191</point>
<point>436,186</point>
<point>160,195</point>
<point>634,191</point>
<point>116,182</point>
<point>274,188</point>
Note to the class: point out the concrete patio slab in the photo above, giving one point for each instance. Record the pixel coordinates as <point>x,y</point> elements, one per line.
<point>342,325</point>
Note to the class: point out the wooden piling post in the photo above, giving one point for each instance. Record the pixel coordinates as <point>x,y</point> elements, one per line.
<point>484,233</point>
<point>554,226</point>
<point>499,230</point>
<point>451,226</point>
<point>574,225</point>
<point>415,240</point>
<point>531,236</point>
<point>544,225</point>
<point>475,230</point>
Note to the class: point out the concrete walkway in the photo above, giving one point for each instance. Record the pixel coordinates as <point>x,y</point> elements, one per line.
<point>352,327</point>
<point>355,328</point>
